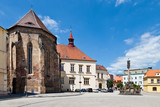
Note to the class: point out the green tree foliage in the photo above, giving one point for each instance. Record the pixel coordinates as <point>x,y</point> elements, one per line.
<point>119,85</point>
<point>109,84</point>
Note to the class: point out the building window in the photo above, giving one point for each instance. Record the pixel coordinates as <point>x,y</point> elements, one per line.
<point>80,68</point>
<point>102,75</point>
<point>154,88</point>
<point>29,58</point>
<point>86,81</point>
<point>158,81</point>
<point>136,82</point>
<point>124,78</point>
<point>62,67</point>
<point>140,82</point>
<point>71,80</point>
<point>72,67</point>
<point>62,80</point>
<point>135,77</point>
<point>98,75</point>
<point>88,68</point>
<point>152,81</point>
<point>140,77</point>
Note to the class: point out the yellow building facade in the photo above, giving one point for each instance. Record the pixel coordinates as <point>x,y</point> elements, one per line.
<point>3,62</point>
<point>152,81</point>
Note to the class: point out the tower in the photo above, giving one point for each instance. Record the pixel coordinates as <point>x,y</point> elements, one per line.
<point>71,40</point>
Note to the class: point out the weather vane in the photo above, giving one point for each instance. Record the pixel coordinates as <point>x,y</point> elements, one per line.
<point>70,28</point>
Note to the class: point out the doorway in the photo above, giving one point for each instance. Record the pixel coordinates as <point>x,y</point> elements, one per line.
<point>100,85</point>
<point>14,86</point>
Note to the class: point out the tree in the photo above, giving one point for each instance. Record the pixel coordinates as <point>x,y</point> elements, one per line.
<point>109,84</point>
<point>119,85</point>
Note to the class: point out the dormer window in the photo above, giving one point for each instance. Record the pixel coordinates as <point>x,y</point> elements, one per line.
<point>83,57</point>
<point>66,56</point>
<point>29,23</point>
<point>158,74</point>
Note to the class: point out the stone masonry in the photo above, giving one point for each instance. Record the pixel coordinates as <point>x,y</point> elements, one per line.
<point>45,76</point>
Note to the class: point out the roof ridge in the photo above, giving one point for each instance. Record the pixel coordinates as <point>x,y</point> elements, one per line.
<point>35,17</point>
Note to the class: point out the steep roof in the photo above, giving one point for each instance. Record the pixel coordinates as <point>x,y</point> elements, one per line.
<point>100,67</point>
<point>152,72</point>
<point>73,53</point>
<point>31,20</point>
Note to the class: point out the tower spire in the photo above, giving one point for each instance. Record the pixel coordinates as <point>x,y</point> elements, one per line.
<point>71,40</point>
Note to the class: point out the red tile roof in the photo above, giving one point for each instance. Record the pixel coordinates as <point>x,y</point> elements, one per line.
<point>100,67</point>
<point>152,72</point>
<point>73,53</point>
<point>31,20</point>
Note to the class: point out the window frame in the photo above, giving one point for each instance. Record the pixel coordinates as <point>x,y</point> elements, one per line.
<point>72,67</point>
<point>86,81</point>
<point>88,66</point>
<point>71,80</point>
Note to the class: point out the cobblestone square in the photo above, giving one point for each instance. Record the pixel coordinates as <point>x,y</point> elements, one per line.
<point>85,100</point>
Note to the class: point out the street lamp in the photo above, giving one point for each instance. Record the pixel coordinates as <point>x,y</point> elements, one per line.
<point>80,81</point>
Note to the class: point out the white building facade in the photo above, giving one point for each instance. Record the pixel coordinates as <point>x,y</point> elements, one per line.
<point>77,75</point>
<point>102,77</point>
<point>136,76</point>
<point>78,71</point>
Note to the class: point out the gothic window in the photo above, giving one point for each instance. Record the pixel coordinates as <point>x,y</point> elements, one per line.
<point>29,58</point>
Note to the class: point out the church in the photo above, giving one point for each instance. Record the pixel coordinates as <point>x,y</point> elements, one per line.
<point>32,53</point>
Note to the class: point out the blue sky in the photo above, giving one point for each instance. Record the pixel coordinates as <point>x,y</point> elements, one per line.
<point>109,31</point>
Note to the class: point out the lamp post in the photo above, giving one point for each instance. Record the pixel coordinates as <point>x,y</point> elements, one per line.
<point>80,81</point>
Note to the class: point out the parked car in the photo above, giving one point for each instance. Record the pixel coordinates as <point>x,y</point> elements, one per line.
<point>77,90</point>
<point>89,90</point>
<point>103,90</point>
<point>99,89</point>
<point>83,90</point>
<point>95,90</point>
<point>110,90</point>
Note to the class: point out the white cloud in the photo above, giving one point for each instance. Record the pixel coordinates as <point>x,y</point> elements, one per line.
<point>52,24</point>
<point>143,55</point>
<point>118,2</point>
<point>128,41</point>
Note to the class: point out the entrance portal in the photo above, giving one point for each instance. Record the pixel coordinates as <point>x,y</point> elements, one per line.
<point>100,85</point>
<point>14,86</point>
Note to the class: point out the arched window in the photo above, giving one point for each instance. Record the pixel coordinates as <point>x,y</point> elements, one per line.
<point>29,50</point>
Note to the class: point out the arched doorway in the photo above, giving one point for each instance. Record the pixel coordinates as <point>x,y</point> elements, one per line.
<point>100,85</point>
